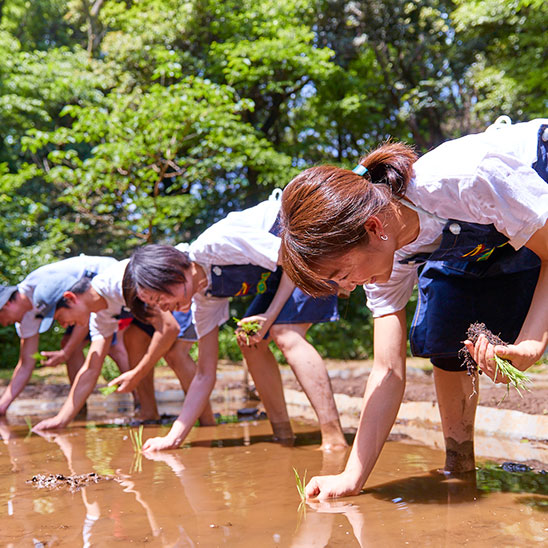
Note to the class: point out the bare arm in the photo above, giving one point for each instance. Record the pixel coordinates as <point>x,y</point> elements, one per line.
<point>266,319</point>
<point>382,399</point>
<point>21,373</point>
<point>74,341</point>
<point>83,385</point>
<point>165,334</point>
<point>533,337</point>
<point>196,397</point>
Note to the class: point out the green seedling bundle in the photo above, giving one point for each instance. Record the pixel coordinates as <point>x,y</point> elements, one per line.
<point>40,359</point>
<point>249,328</point>
<point>106,390</point>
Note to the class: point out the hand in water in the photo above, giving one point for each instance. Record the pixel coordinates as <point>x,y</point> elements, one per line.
<point>49,424</point>
<point>330,487</point>
<point>159,444</point>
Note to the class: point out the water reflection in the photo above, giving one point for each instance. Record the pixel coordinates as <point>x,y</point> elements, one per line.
<point>233,486</point>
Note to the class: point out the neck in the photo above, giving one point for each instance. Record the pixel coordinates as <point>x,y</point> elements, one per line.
<point>199,277</point>
<point>406,225</point>
<point>94,301</point>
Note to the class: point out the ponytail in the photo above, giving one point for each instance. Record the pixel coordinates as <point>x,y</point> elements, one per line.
<point>325,208</point>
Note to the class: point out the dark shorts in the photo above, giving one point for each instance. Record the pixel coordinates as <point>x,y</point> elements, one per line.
<point>70,329</point>
<point>186,327</point>
<point>448,303</point>
<point>299,308</point>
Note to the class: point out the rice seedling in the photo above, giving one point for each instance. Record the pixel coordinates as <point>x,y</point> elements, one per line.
<point>136,438</point>
<point>106,390</point>
<point>300,484</point>
<point>40,359</point>
<point>517,378</point>
<point>29,426</point>
<point>248,328</point>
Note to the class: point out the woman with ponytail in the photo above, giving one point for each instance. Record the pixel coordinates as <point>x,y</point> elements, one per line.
<point>472,214</point>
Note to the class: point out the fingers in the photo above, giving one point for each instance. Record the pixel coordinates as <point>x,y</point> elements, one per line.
<point>312,489</point>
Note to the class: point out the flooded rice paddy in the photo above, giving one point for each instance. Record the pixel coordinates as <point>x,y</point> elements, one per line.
<point>231,485</point>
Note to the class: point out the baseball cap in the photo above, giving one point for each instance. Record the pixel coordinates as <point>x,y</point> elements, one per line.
<point>6,291</point>
<point>47,295</point>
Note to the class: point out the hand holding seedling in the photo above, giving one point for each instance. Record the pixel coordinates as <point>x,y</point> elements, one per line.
<point>252,329</point>
<point>106,390</point>
<point>53,358</point>
<point>334,486</point>
<point>488,353</point>
<point>126,382</point>
<point>40,359</point>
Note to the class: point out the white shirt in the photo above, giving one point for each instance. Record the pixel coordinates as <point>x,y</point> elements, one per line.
<point>484,178</point>
<point>75,266</point>
<point>242,237</point>
<point>108,285</point>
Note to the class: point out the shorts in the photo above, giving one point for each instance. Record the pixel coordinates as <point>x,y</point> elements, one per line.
<point>187,331</point>
<point>449,303</point>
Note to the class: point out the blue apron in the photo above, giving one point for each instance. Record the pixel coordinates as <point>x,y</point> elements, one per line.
<point>474,275</point>
<point>248,279</point>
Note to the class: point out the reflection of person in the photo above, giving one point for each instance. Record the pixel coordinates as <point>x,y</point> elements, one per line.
<point>19,306</point>
<point>100,302</point>
<point>476,207</point>
<point>237,256</point>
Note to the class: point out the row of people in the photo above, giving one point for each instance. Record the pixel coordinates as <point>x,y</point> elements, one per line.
<point>473,213</point>
<point>235,257</point>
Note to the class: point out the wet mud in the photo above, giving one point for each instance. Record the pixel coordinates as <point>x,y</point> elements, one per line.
<point>231,485</point>
<point>59,481</point>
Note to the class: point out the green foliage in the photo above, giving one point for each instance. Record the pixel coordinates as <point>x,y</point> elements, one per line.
<point>130,122</point>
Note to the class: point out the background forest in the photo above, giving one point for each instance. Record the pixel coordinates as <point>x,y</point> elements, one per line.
<point>140,121</point>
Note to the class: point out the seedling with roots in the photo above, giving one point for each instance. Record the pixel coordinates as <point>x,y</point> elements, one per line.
<point>248,328</point>
<point>517,378</point>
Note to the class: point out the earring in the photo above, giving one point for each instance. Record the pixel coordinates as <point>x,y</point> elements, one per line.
<point>384,237</point>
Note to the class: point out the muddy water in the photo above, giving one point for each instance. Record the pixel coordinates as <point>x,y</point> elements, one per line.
<point>230,485</point>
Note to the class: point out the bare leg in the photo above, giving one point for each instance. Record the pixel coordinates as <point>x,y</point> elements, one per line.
<point>457,402</point>
<point>75,360</point>
<point>266,375</point>
<point>178,358</point>
<point>119,353</point>
<point>311,373</point>
<point>136,342</point>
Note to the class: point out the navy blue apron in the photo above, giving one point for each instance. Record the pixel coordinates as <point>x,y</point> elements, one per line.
<point>248,279</point>
<point>474,275</point>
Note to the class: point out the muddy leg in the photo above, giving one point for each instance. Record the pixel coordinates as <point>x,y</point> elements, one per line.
<point>457,402</point>
<point>266,375</point>
<point>309,368</point>
<point>178,358</point>
<point>136,342</point>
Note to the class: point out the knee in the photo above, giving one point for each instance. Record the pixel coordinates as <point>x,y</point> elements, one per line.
<point>286,338</point>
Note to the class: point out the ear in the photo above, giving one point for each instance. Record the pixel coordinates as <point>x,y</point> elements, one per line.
<point>374,226</point>
<point>70,296</point>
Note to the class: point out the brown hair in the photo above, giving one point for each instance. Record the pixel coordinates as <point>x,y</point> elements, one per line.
<point>154,267</point>
<point>324,210</point>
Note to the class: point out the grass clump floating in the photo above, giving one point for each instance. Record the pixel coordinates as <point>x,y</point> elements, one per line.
<point>518,379</point>
<point>248,328</point>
